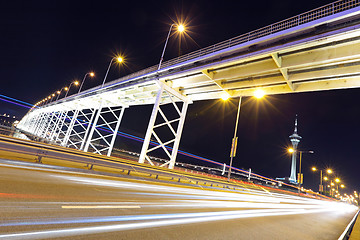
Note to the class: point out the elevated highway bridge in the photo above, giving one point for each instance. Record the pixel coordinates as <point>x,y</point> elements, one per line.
<point>314,51</point>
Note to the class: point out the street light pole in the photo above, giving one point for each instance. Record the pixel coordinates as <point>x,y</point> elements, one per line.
<point>119,59</point>
<point>47,99</point>
<point>234,139</point>
<point>82,82</point>
<point>163,52</point>
<point>107,72</point>
<point>76,83</point>
<point>59,92</point>
<point>321,187</point>
<point>300,178</point>
<point>52,97</point>
<point>181,29</point>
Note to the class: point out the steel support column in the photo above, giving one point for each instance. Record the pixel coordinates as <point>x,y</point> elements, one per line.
<point>39,124</point>
<point>70,128</point>
<point>103,131</point>
<point>92,126</point>
<point>62,124</point>
<point>56,126</point>
<point>165,96</point>
<point>115,132</point>
<point>87,129</point>
<point>49,121</point>
<point>32,123</point>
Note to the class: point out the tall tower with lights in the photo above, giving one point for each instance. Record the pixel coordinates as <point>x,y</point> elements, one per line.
<point>295,139</point>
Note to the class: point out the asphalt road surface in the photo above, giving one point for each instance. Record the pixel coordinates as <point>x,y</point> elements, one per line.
<point>46,203</point>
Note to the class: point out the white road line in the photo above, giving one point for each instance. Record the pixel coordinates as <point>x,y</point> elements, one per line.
<point>99,207</point>
<point>342,236</point>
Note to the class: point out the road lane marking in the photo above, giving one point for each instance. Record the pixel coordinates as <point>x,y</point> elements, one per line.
<point>183,219</point>
<point>99,207</point>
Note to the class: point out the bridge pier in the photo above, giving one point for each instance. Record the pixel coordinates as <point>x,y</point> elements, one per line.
<point>62,125</point>
<point>109,128</point>
<point>172,96</point>
<point>83,135</point>
<point>58,116</point>
<point>34,125</point>
<point>70,128</point>
<point>49,121</point>
<point>40,121</point>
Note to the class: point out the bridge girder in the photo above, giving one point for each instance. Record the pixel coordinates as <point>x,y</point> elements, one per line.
<point>312,55</point>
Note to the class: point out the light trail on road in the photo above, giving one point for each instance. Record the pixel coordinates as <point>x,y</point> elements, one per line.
<point>176,219</point>
<point>52,203</point>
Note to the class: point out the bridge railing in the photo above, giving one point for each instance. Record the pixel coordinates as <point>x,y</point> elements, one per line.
<point>327,10</point>
<point>324,11</point>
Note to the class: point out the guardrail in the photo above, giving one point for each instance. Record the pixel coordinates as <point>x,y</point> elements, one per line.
<point>324,11</point>
<point>214,172</point>
<point>35,152</point>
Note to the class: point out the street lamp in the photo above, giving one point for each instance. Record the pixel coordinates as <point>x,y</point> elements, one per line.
<point>259,93</point>
<point>119,60</point>
<point>58,93</point>
<point>321,186</point>
<point>52,97</point>
<point>337,182</point>
<point>68,88</point>
<point>180,29</point>
<point>325,179</point>
<point>332,189</point>
<point>234,140</point>
<point>42,102</point>
<point>92,74</point>
<point>47,99</point>
<point>226,96</point>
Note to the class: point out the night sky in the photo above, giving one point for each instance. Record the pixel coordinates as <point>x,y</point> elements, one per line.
<point>45,45</point>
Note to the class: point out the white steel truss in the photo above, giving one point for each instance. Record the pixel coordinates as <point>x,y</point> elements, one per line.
<point>54,130</point>
<point>35,123</point>
<point>41,121</point>
<point>70,127</point>
<point>79,128</point>
<point>104,129</point>
<point>37,128</point>
<point>62,127</point>
<point>166,96</point>
<point>49,125</point>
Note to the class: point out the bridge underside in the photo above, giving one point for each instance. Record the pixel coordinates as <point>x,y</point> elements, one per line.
<point>318,55</point>
<point>328,60</point>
